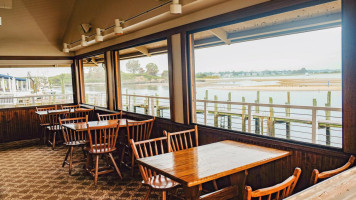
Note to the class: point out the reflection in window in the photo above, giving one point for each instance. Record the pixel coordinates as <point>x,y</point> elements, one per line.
<point>144,79</point>
<point>20,87</point>
<point>94,70</point>
<point>286,86</point>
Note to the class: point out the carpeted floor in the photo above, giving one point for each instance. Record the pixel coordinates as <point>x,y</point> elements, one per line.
<point>30,171</point>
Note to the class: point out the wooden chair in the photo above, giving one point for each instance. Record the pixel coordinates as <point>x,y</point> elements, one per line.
<point>54,127</point>
<point>42,120</point>
<point>184,140</point>
<point>154,181</point>
<point>327,174</point>
<point>73,139</point>
<point>102,141</point>
<point>138,131</point>
<point>277,192</point>
<point>70,107</point>
<point>109,116</point>
<point>82,113</point>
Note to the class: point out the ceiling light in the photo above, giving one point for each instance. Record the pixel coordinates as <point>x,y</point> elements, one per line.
<point>84,42</point>
<point>99,37</point>
<point>118,30</point>
<point>65,48</point>
<point>175,7</point>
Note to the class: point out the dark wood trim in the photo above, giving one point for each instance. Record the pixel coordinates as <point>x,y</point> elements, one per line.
<point>81,80</point>
<point>108,73</point>
<point>36,57</point>
<point>116,77</point>
<point>171,78</point>
<point>191,77</point>
<point>185,78</point>
<point>348,75</point>
<point>74,83</point>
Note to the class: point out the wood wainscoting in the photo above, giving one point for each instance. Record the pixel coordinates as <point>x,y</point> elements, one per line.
<point>18,124</point>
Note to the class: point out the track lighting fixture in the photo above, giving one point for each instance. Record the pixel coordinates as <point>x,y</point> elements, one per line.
<point>84,42</point>
<point>175,7</point>
<point>65,48</point>
<point>118,30</point>
<point>99,37</point>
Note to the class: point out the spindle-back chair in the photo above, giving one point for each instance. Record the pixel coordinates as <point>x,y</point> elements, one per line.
<point>42,120</point>
<point>277,192</point>
<point>54,127</point>
<point>73,139</point>
<point>102,117</point>
<point>327,174</point>
<point>184,140</point>
<point>102,141</point>
<point>138,131</point>
<point>82,112</point>
<point>154,181</point>
<point>70,107</point>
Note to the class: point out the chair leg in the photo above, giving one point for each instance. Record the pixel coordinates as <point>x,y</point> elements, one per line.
<point>114,163</point>
<point>54,140</point>
<point>132,165</point>
<point>148,194</point>
<point>164,195</point>
<point>215,185</point>
<point>96,169</point>
<point>71,161</point>
<point>65,158</point>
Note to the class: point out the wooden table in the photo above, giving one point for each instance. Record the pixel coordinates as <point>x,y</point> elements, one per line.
<point>341,186</point>
<point>82,126</point>
<point>198,165</point>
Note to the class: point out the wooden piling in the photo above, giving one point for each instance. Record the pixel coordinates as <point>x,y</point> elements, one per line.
<point>243,116</point>
<point>258,119</point>
<point>271,119</point>
<point>288,115</point>
<point>229,117</point>
<point>327,117</point>
<point>216,112</point>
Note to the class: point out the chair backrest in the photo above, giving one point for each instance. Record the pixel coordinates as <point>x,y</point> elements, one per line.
<point>182,140</point>
<point>70,107</point>
<point>70,136</point>
<point>82,113</point>
<point>52,118</point>
<point>148,148</point>
<point>46,108</point>
<point>103,138</point>
<point>104,117</point>
<point>139,130</point>
<point>317,176</point>
<point>277,192</point>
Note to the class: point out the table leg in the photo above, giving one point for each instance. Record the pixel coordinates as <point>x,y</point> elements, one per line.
<point>191,193</point>
<point>239,179</point>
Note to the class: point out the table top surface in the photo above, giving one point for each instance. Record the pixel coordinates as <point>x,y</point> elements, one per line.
<point>341,186</point>
<point>201,164</point>
<point>60,110</point>
<point>82,126</point>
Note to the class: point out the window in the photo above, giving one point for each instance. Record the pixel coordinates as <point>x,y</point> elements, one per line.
<point>94,70</point>
<point>286,84</point>
<point>144,79</point>
<point>25,86</point>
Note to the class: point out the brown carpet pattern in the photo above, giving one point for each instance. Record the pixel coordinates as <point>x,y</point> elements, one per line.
<point>30,171</point>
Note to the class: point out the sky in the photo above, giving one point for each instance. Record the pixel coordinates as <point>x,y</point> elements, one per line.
<point>312,50</point>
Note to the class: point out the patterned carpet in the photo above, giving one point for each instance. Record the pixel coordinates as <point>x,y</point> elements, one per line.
<point>30,171</point>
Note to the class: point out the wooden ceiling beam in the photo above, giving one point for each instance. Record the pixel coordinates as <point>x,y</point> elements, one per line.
<point>143,50</point>
<point>221,34</point>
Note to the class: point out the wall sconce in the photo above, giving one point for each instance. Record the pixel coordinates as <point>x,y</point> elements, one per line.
<point>65,48</point>
<point>175,7</point>
<point>118,30</point>
<point>99,37</point>
<point>84,42</point>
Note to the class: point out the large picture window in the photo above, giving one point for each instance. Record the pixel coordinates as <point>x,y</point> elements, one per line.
<point>286,84</point>
<point>94,70</point>
<point>144,79</point>
<point>35,86</point>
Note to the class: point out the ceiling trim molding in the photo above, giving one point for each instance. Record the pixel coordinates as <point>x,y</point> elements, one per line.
<point>36,57</point>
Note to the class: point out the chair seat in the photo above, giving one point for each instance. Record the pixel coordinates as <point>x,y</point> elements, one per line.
<point>54,128</point>
<point>99,150</point>
<point>76,143</point>
<point>160,182</point>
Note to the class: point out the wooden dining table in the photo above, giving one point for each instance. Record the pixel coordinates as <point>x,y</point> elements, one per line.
<point>82,126</point>
<point>192,167</point>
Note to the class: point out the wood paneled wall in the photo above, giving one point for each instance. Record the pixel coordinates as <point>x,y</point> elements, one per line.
<point>18,124</point>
